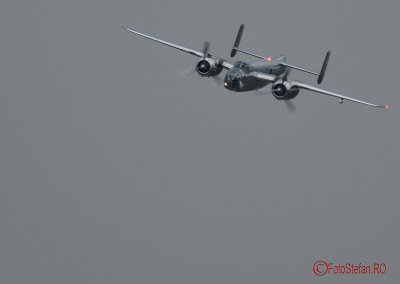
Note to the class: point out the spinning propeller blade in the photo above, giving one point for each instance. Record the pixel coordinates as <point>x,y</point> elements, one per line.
<point>187,72</point>
<point>286,74</point>
<point>290,106</point>
<point>205,49</point>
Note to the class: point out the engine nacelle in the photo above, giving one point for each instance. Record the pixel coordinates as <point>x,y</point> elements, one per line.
<point>284,90</point>
<point>208,67</point>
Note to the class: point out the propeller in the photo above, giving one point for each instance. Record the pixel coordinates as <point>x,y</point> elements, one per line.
<point>188,72</point>
<point>206,47</point>
<point>286,74</point>
<point>290,106</point>
<point>218,80</point>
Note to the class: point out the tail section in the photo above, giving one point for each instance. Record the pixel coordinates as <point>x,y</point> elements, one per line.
<point>323,69</point>
<point>281,58</point>
<point>237,41</point>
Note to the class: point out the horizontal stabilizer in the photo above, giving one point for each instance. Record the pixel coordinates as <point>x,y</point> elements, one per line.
<point>297,68</point>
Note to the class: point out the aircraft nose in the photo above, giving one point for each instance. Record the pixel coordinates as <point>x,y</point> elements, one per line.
<point>227,83</point>
<point>230,84</point>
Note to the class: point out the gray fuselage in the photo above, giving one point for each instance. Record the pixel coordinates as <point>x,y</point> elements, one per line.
<point>239,78</point>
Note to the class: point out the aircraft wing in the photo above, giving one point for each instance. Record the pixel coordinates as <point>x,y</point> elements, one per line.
<point>329,93</point>
<point>271,78</point>
<point>224,63</point>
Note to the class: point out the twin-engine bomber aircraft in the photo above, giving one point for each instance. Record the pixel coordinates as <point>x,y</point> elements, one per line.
<point>243,76</point>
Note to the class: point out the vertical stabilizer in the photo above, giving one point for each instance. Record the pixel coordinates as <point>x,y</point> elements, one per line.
<point>237,41</point>
<point>323,69</point>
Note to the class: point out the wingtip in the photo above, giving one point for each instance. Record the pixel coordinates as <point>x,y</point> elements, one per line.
<point>382,106</point>
<point>125,28</point>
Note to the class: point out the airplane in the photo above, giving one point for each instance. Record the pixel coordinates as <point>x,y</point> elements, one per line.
<point>244,76</point>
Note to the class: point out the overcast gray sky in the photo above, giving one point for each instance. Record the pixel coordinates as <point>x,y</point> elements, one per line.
<point>113,169</point>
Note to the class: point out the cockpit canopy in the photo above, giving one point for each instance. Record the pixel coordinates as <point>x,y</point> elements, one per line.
<point>241,65</point>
